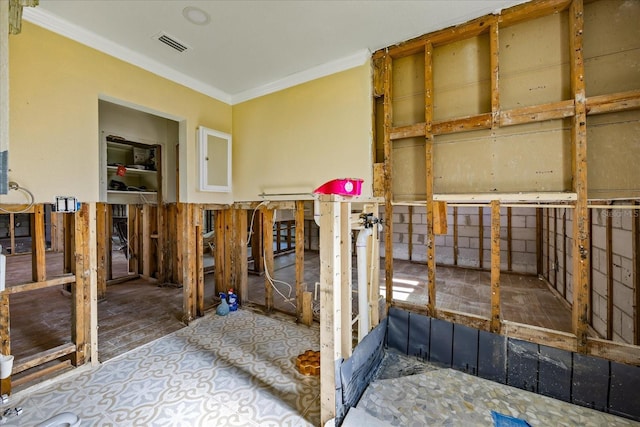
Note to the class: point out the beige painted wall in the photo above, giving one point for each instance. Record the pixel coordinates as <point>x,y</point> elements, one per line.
<point>55,86</point>
<point>299,138</point>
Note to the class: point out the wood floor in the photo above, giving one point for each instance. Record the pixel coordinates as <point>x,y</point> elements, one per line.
<point>138,311</point>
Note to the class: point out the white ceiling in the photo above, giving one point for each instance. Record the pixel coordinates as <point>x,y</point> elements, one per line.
<point>250,48</point>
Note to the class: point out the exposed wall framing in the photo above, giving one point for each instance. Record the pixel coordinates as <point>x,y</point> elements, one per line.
<point>501,109</point>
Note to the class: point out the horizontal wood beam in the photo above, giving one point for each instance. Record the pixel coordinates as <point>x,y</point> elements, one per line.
<point>613,103</point>
<point>535,334</point>
<point>467,319</point>
<point>532,10</point>
<point>507,197</point>
<point>464,124</point>
<point>537,113</point>
<point>616,351</point>
<point>62,280</point>
<point>44,357</point>
<point>42,372</point>
<point>410,131</point>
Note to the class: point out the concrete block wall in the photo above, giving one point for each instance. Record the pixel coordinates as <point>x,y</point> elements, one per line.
<point>622,315</point>
<point>621,270</point>
<point>523,237</point>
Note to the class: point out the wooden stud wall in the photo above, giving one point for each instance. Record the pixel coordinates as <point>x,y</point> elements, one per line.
<point>564,116</point>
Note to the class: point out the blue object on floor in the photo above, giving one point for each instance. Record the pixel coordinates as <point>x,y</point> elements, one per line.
<point>501,420</point>
<point>223,308</point>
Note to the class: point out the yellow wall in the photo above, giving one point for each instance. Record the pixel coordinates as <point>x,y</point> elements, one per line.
<point>301,137</point>
<point>55,84</point>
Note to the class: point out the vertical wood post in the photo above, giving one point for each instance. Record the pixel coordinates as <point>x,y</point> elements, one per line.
<point>219,235</point>
<point>495,267</point>
<point>80,292</point>
<point>199,259</point>
<point>609,252</point>
<point>509,237</point>
<point>187,248</point>
<point>38,254</point>
<point>548,222</point>
<point>331,242</point>
<point>267,239</point>
<point>635,236</point>
<point>410,232</point>
<point>564,253</point>
<point>431,243</point>
<point>345,293</point>
<point>69,244</point>
<point>581,289</point>
<point>539,255</point>
<point>299,241</point>
<point>12,233</point>
<point>102,237</point>
<point>555,248</point>
<point>387,106</point>
<point>481,237</point>
<point>5,341</point>
<point>455,235</point>
<point>241,272</point>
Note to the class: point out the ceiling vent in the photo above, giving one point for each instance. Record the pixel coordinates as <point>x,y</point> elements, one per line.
<point>171,42</point>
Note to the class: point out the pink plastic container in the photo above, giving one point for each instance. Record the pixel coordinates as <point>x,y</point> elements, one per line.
<point>342,187</point>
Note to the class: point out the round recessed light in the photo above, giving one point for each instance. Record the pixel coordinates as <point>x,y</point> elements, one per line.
<point>195,15</point>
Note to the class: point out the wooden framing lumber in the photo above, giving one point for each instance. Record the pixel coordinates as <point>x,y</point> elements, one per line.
<point>134,242</point>
<point>331,243</point>
<point>564,253</point>
<point>56,281</point>
<point>616,351</point>
<point>429,166</point>
<point>581,236</point>
<point>373,274</point>
<point>187,247</point>
<point>532,10</point>
<point>199,260</point>
<point>538,335</point>
<point>539,231</point>
<point>80,292</point>
<point>299,242</point>
<point>463,124</point>
<point>495,267</point>
<point>467,30</point>
<point>220,266</point>
<point>267,240</point>
<point>345,289</point>
<point>241,273</point>
<point>43,372</point>
<point>455,235</point>
<point>409,131</point>
<point>103,237</point>
<point>307,308</point>
<point>609,255</point>
<point>12,233</point>
<point>480,237</point>
<point>410,233</point>
<point>509,239</point>
<point>43,357</point>
<point>388,193</point>
<point>635,231</point>
<point>494,52</point>
<point>537,113</point>
<point>613,103</point>
<point>38,255</point>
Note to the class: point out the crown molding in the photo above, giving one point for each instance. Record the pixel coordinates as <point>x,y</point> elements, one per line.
<point>53,23</point>
<point>323,70</point>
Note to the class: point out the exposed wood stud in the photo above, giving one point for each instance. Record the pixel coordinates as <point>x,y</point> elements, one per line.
<point>480,237</point>
<point>103,237</point>
<point>581,267</point>
<point>509,237</point>
<point>410,232</point>
<point>198,215</point>
<point>134,218</point>
<point>455,235</point>
<point>555,248</point>
<point>429,172</point>
<point>548,223</point>
<point>388,194</point>
<point>187,247</point>
<point>241,284</point>
<point>218,272</point>
<point>39,262</point>
<point>564,253</point>
<point>495,267</point>
<point>5,337</point>
<point>635,231</point>
<point>80,291</point>
<point>494,47</point>
<point>267,239</point>
<point>307,308</point>
<point>539,231</point>
<point>612,103</point>
<point>609,252</point>
<point>12,233</point>
<point>330,304</point>
<point>299,241</point>
<point>345,289</point>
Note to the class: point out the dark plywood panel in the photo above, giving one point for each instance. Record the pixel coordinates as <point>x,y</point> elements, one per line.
<point>590,384</point>
<point>534,73</point>
<point>398,330</point>
<point>461,78</point>
<point>441,348</point>
<point>611,46</point>
<point>492,360</point>
<point>465,349</point>
<point>554,376</point>
<point>522,363</point>
<point>624,394</point>
<point>419,336</point>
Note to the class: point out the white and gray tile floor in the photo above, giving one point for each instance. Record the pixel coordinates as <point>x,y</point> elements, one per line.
<point>237,370</point>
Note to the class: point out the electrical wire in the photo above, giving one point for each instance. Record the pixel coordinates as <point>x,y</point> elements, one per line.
<point>14,186</point>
